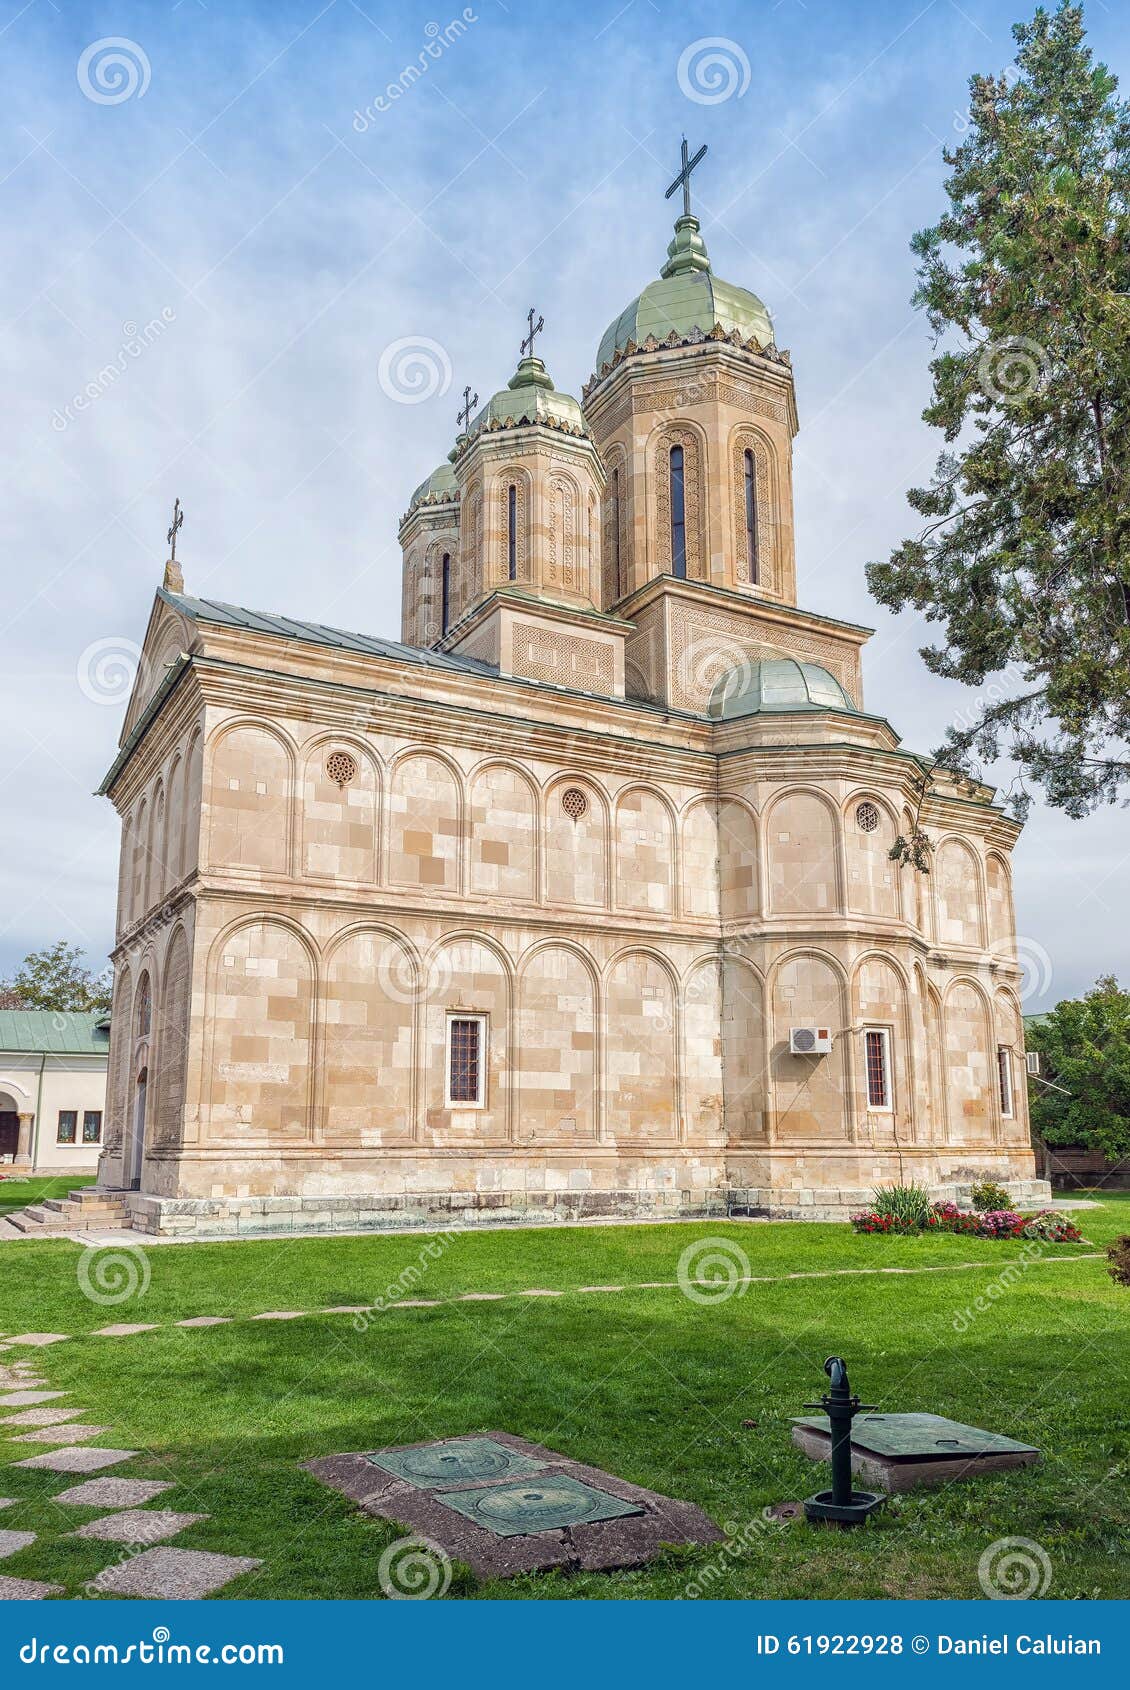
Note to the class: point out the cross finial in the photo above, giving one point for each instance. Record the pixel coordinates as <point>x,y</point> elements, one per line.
<point>463,417</point>
<point>535,329</point>
<point>683,179</point>
<point>178,518</point>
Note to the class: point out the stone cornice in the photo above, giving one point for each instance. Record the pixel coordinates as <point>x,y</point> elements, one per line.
<point>746,360</point>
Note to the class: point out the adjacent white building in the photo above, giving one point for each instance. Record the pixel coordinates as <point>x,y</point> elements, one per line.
<point>52,1089</point>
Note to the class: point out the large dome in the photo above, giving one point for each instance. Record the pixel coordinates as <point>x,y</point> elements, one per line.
<point>530,397</point>
<point>437,489</point>
<point>687,296</point>
<point>776,683</point>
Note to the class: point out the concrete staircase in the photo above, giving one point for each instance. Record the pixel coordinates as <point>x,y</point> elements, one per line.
<point>86,1210</point>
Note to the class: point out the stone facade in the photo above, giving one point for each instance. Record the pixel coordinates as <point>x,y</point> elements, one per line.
<point>530,826</point>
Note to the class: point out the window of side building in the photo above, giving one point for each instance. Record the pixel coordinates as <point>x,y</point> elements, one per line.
<point>68,1126</point>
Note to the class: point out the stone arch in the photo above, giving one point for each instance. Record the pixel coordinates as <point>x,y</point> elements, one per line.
<point>873,881</point>
<point>746,438</point>
<point>372,988</point>
<point>641,1049</point>
<point>429,602</point>
<point>339,823</point>
<point>121,1052</point>
<point>576,847</point>
<point>504,831</point>
<point>998,899</point>
<point>516,476</point>
<point>468,972</point>
<point>425,825</point>
<point>172,1041</point>
<point>802,844</point>
<point>157,877</point>
<point>811,1094</point>
<point>137,905</point>
<point>193,796</point>
<point>880,999</point>
<point>469,558</point>
<point>557,1055</point>
<point>744,1054</point>
<point>616,553</point>
<point>644,835</point>
<point>701,995</point>
<point>698,859</point>
<point>259,1067</point>
<point>174,818</point>
<point>958,895</point>
<point>691,438</point>
<point>1008,1024</point>
<point>250,793</point>
<point>738,866</point>
<point>970,1111</point>
<point>563,570</point>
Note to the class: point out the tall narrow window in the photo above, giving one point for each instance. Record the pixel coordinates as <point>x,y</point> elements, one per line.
<point>678,517</point>
<point>616,534</point>
<point>92,1126</point>
<point>512,533</point>
<point>445,594</point>
<point>466,1064</point>
<point>878,1068</point>
<point>1004,1075</point>
<point>68,1126</point>
<point>751,518</point>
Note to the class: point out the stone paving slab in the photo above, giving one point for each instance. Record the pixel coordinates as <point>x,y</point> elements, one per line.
<point>25,1399</point>
<point>113,1492</point>
<point>174,1575</point>
<point>6,1501</point>
<point>280,1314</point>
<point>42,1417</point>
<point>594,1546</point>
<point>26,1590</point>
<point>39,1339</point>
<point>70,1432</point>
<point>206,1320</point>
<point>138,1525</point>
<point>12,1542</point>
<point>124,1330</point>
<point>75,1459</point>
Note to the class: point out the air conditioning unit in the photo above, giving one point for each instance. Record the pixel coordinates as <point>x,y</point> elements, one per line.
<point>810,1041</point>
<point>1032,1062</point>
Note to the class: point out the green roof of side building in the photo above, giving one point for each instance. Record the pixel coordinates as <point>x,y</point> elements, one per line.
<point>55,1032</point>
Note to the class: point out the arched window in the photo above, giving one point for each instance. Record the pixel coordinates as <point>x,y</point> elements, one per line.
<point>616,533</point>
<point>512,533</point>
<point>445,594</point>
<point>678,517</point>
<point>751,517</point>
<point>144,1015</point>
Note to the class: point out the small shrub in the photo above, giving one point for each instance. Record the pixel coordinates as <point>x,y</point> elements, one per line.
<point>999,1224</point>
<point>905,1203</point>
<point>1118,1254</point>
<point>989,1195</point>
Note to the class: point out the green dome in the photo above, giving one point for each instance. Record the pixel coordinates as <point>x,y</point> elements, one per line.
<point>687,296</point>
<point>439,486</point>
<point>531,397</point>
<point>776,683</point>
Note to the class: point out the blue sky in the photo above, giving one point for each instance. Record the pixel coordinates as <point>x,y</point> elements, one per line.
<point>240,222</point>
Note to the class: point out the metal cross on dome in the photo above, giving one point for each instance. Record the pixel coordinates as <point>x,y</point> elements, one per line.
<point>463,417</point>
<point>535,329</point>
<point>178,518</point>
<point>683,179</point>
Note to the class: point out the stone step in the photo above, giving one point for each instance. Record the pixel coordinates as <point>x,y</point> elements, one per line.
<point>42,1222</point>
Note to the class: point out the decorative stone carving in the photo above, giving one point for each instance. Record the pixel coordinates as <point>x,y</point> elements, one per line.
<point>695,538</point>
<point>764,513</point>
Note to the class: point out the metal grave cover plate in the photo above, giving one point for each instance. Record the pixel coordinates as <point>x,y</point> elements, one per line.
<point>455,1461</point>
<point>538,1505</point>
<point>920,1437</point>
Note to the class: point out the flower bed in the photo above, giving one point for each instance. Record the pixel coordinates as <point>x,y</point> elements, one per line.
<point>1045,1224</point>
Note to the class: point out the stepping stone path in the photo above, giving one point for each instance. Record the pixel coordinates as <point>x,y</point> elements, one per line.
<point>6,1501</point>
<point>139,1525</point>
<point>38,1338</point>
<point>26,1590</point>
<point>125,1331</point>
<point>12,1542</point>
<point>70,1433</point>
<point>113,1492</point>
<point>26,1399</point>
<point>206,1320</point>
<point>77,1460</point>
<point>176,1575</point>
<point>41,1417</point>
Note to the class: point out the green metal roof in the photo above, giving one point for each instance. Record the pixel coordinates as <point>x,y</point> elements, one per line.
<point>440,485</point>
<point>55,1032</point>
<point>529,396</point>
<point>776,683</point>
<point>687,296</point>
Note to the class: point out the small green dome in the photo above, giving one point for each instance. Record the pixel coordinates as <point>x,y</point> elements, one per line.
<point>776,683</point>
<point>687,296</point>
<point>530,396</point>
<point>439,486</point>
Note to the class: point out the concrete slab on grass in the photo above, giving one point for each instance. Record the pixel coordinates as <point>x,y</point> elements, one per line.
<point>173,1575</point>
<point>113,1492</point>
<point>75,1459</point>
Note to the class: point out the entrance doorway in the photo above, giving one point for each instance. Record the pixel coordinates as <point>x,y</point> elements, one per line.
<point>137,1133</point>
<point>9,1134</point>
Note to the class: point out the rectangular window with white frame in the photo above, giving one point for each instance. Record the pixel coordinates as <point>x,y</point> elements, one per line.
<point>465,1062</point>
<point>877,1068</point>
<point>1004,1074</point>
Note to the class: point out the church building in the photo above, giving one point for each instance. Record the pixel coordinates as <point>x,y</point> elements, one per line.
<point>580,899</point>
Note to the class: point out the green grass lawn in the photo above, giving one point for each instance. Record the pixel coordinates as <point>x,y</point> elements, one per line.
<point>643,1382</point>
<point>18,1193</point>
